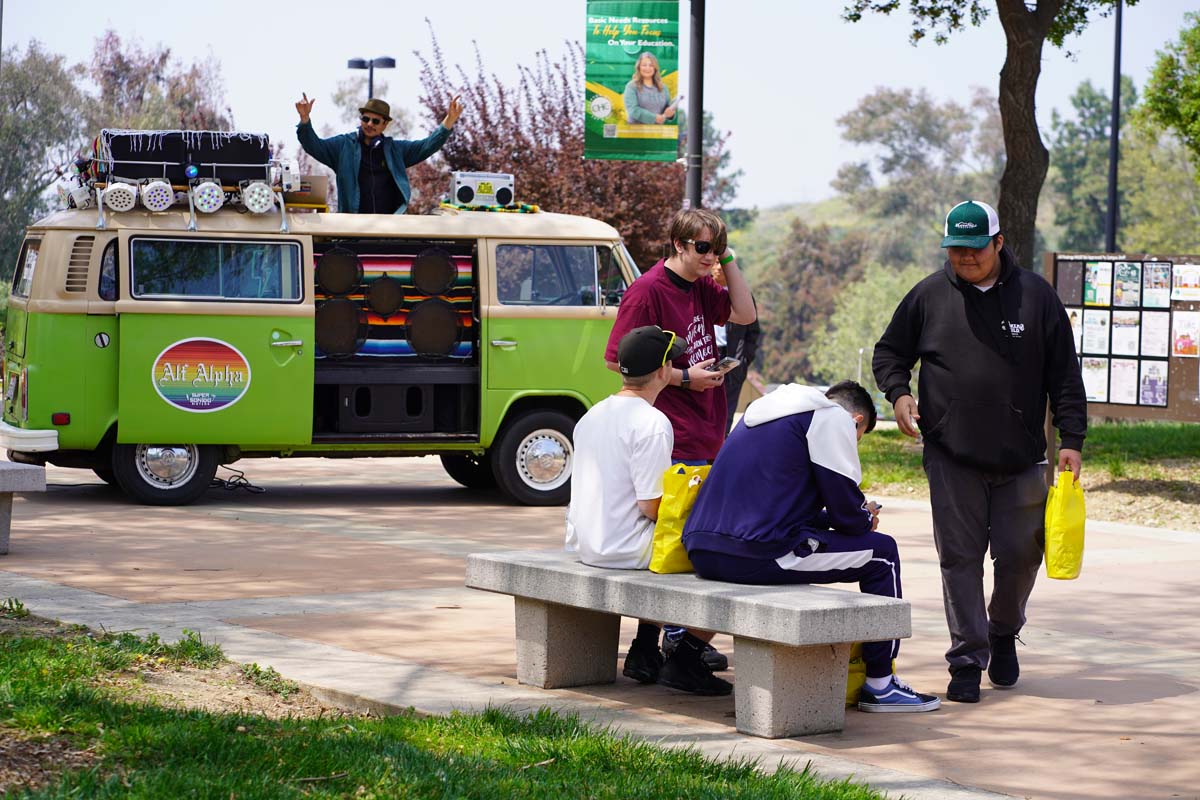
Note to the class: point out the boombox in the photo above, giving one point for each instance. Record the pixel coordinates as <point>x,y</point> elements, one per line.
<point>481,188</point>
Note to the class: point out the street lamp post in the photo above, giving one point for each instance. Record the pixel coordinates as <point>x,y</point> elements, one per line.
<point>383,62</point>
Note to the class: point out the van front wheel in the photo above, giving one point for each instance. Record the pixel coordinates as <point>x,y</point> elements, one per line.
<point>533,458</point>
<point>164,474</point>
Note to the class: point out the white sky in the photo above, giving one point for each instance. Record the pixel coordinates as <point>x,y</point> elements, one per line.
<point>778,74</point>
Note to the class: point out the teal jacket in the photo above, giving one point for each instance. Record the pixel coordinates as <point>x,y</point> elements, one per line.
<point>343,154</point>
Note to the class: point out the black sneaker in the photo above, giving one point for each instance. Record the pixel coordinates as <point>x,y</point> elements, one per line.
<point>1003,669</point>
<point>643,662</point>
<point>684,670</point>
<point>964,684</point>
<point>713,658</point>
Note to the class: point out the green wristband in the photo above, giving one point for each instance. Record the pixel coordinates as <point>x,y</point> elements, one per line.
<point>726,259</point>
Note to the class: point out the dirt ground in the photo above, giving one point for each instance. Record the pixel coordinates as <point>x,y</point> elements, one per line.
<point>33,761</point>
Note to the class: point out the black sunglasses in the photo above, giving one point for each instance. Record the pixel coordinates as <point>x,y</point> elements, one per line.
<point>371,120</point>
<point>701,247</point>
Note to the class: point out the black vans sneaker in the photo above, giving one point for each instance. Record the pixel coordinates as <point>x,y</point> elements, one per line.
<point>1003,669</point>
<point>643,662</point>
<point>713,658</point>
<point>964,684</point>
<point>685,670</point>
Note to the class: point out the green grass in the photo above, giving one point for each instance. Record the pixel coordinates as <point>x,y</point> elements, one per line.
<point>270,679</point>
<point>891,459</point>
<point>51,685</point>
<point>13,608</point>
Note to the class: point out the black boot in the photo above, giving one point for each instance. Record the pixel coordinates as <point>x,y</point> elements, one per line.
<point>964,684</point>
<point>643,661</point>
<point>1003,669</point>
<point>686,671</point>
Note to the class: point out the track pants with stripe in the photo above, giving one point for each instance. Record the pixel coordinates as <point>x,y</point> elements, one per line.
<point>871,560</point>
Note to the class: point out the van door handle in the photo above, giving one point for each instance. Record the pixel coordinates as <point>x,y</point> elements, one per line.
<point>289,343</point>
<point>503,343</point>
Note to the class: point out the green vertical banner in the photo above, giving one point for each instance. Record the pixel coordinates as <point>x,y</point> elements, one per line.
<point>632,96</point>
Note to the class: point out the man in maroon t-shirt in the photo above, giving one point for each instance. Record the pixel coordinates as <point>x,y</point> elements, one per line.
<point>679,295</point>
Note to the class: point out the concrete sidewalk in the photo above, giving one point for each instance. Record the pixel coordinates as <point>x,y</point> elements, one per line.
<point>348,576</point>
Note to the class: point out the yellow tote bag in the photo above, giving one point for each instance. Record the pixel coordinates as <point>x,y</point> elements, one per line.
<point>1065,518</point>
<point>681,484</point>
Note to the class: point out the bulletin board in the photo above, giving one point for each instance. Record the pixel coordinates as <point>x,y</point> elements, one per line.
<point>1136,321</point>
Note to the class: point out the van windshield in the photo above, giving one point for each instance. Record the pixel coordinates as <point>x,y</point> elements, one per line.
<point>219,270</point>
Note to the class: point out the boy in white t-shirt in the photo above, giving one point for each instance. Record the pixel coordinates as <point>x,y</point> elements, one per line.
<point>623,446</point>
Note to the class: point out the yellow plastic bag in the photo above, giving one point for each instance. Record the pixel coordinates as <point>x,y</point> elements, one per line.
<point>681,484</point>
<point>1065,517</point>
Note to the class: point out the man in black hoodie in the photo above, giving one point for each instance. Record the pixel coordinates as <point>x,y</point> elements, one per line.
<point>994,344</point>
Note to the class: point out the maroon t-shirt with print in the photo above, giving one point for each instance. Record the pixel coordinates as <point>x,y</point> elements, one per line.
<point>698,418</point>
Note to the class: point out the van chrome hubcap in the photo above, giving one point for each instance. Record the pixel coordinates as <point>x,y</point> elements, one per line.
<point>544,459</point>
<point>167,465</point>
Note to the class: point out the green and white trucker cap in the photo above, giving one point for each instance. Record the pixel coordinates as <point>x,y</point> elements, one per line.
<point>971,224</point>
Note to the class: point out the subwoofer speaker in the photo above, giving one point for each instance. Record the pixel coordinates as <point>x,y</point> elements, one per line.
<point>339,271</point>
<point>340,328</point>
<point>433,272</point>
<point>433,328</point>
<point>385,295</point>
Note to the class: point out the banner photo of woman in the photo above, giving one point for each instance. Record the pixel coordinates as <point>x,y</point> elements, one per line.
<point>632,100</point>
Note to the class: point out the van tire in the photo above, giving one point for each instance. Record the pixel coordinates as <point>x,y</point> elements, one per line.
<point>533,457</point>
<point>141,473</point>
<point>470,470</point>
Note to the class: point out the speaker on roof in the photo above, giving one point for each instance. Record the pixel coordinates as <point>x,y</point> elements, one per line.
<point>482,188</point>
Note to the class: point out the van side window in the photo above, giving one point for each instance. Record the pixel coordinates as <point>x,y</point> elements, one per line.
<point>215,270</point>
<point>23,277</point>
<point>553,275</point>
<point>108,272</point>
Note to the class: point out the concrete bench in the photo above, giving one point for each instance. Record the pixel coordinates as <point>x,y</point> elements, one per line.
<point>791,643</point>
<point>16,478</point>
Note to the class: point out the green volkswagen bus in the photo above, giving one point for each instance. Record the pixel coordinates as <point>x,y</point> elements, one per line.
<point>152,348</point>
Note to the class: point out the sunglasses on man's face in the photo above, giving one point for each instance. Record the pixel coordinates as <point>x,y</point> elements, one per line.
<point>371,120</point>
<point>701,247</point>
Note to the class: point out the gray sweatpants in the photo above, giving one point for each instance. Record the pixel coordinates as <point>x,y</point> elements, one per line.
<point>973,510</point>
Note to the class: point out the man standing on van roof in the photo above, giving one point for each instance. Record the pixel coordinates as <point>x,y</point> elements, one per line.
<point>994,343</point>
<point>372,169</point>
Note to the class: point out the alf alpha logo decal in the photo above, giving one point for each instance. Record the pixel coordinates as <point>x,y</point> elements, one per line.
<point>201,375</point>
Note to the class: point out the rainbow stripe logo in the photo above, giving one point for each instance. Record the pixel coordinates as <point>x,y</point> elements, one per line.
<point>201,375</point>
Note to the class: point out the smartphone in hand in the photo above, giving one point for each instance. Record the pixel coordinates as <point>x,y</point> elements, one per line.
<point>726,364</point>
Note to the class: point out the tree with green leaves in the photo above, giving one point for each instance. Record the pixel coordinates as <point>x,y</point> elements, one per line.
<point>1027,25</point>
<point>1161,208</point>
<point>1172,96</point>
<point>927,155</point>
<point>141,88</point>
<point>796,294</point>
<point>1079,157</point>
<point>860,316</point>
<point>40,133</point>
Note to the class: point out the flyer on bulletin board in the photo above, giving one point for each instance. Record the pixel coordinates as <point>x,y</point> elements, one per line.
<point>1185,282</point>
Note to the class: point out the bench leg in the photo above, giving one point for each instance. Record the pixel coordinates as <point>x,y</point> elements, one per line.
<point>5,520</point>
<point>559,646</point>
<point>789,691</point>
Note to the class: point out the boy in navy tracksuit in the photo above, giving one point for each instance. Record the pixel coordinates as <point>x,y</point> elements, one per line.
<point>782,505</point>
